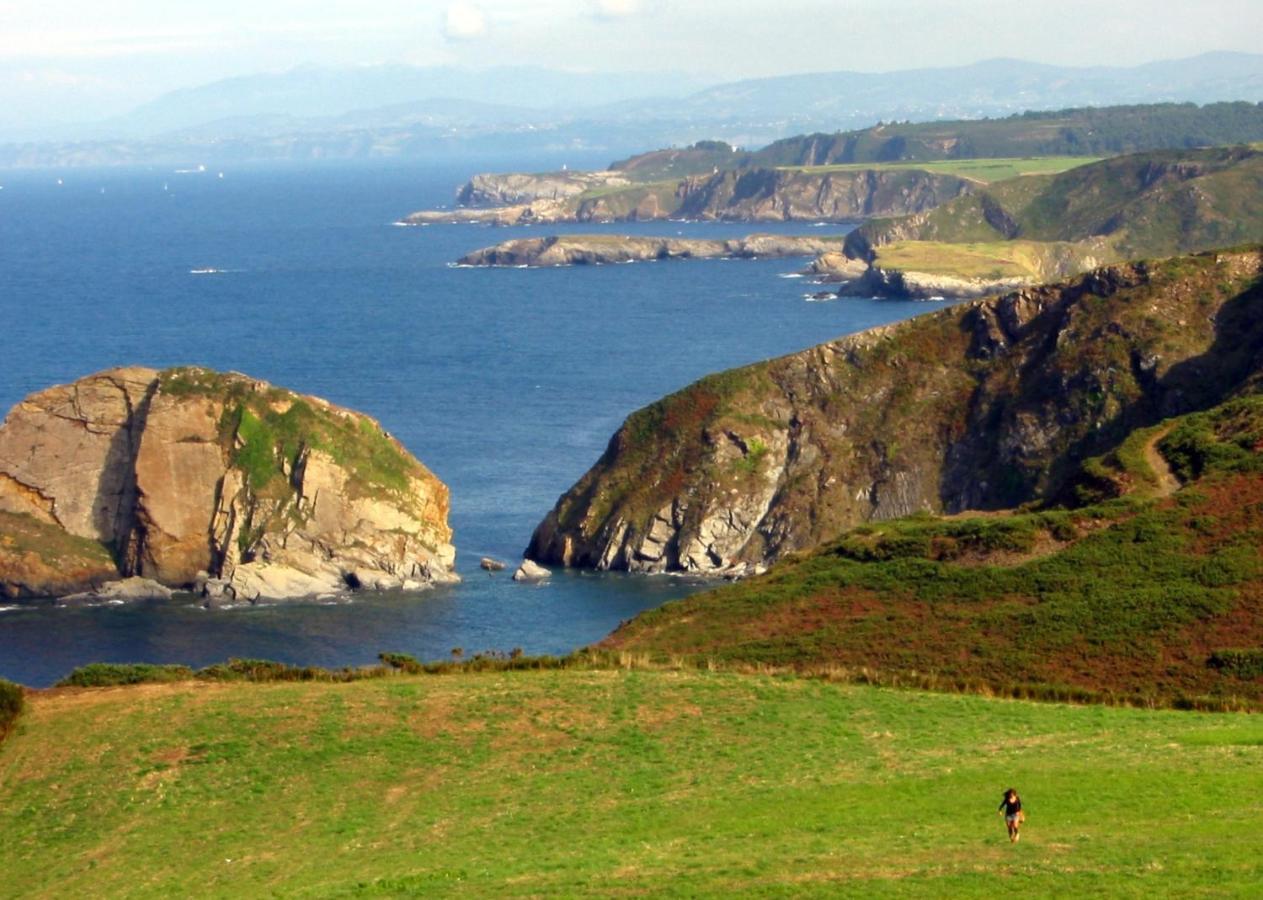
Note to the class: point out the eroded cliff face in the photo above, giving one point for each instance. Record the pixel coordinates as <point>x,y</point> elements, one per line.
<point>767,195</point>
<point>984,405</point>
<point>489,190</point>
<point>747,195</point>
<point>220,482</point>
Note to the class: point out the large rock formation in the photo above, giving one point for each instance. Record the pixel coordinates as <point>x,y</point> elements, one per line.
<point>487,190</point>
<point>601,249</point>
<point>196,478</point>
<point>984,405</point>
<point>746,195</point>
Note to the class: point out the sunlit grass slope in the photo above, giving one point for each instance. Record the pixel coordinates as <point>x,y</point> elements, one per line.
<point>981,170</point>
<point>617,783</point>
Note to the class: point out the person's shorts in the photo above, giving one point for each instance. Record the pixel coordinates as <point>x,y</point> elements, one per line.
<point>1012,818</point>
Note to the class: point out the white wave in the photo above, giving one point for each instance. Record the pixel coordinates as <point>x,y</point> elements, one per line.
<point>790,275</point>
<point>812,298</point>
<point>4,609</point>
<point>937,298</point>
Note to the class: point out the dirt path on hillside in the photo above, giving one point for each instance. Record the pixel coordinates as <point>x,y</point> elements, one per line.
<point>1167,484</point>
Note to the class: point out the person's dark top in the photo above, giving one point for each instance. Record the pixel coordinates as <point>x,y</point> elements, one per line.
<point>1011,807</point>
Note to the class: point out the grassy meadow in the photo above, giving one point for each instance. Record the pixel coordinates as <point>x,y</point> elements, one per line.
<point>993,259</point>
<point>617,782</point>
<point>984,171</point>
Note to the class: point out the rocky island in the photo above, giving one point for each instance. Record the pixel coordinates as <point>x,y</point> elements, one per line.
<point>600,249</point>
<point>210,482</point>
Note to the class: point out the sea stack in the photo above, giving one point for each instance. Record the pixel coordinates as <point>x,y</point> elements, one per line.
<point>211,481</point>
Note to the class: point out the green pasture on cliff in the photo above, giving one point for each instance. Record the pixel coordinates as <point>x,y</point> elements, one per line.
<point>981,170</point>
<point>617,782</point>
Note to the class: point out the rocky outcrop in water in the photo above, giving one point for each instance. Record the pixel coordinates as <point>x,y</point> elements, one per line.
<point>194,478</point>
<point>987,404</point>
<point>575,250</point>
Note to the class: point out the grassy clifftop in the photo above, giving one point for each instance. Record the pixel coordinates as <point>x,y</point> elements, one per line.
<point>1084,132</point>
<point>265,429</point>
<point>1090,131</point>
<point>1152,204</point>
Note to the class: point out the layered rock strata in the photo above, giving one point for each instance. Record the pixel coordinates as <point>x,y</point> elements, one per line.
<point>744,195</point>
<point>194,478</point>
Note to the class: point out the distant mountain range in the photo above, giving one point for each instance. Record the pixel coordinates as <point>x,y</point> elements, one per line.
<point>402,111</point>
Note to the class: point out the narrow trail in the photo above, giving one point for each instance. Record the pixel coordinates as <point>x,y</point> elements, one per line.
<point>1167,484</point>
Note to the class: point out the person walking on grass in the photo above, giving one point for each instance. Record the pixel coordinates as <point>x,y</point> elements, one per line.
<point>1011,809</point>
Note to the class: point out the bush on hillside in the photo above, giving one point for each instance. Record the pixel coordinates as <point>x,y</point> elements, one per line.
<point>1239,663</point>
<point>111,674</point>
<point>12,702</point>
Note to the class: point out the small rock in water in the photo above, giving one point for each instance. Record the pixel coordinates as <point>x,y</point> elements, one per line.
<point>126,590</point>
<point>530,571</point>
<point>491,565</point>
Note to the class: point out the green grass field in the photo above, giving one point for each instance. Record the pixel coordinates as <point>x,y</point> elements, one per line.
<point>981,170</point>
<point>994,259</point>
<point>617,783</point>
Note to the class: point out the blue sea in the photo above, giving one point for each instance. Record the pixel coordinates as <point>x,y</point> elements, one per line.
<point>506,383</point>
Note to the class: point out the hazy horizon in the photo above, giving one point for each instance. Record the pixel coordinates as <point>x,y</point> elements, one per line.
<point>71,61</point>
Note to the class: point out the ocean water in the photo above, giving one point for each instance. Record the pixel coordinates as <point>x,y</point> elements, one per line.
<point>506,383</point>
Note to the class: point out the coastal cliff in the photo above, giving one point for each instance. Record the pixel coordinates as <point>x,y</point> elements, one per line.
<point>213,482</point>
<point>599,249</point>
<point>988,404</point>
<point>508,189</point>
<point>1041,228</point>
<point>748,195</point>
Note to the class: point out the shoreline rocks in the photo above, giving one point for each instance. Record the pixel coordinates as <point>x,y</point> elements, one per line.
<point>531,571</point>
<point>578,250</point>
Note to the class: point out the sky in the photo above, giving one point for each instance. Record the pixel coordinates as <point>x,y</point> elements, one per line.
<point>80,60</point>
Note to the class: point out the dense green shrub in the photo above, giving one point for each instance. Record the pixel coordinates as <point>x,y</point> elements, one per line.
<point>402,661</point>
<point>12,702</point>
<point>1239,663</point>
<point>109,674</point>
<point>269,670</point>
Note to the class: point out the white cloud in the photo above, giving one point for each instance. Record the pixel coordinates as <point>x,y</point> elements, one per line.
<point>464,22</point>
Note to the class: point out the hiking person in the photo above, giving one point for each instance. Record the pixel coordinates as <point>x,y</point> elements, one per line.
<point>1011,809</point>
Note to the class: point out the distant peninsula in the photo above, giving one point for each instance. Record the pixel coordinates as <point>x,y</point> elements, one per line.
<point>889,169</point>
